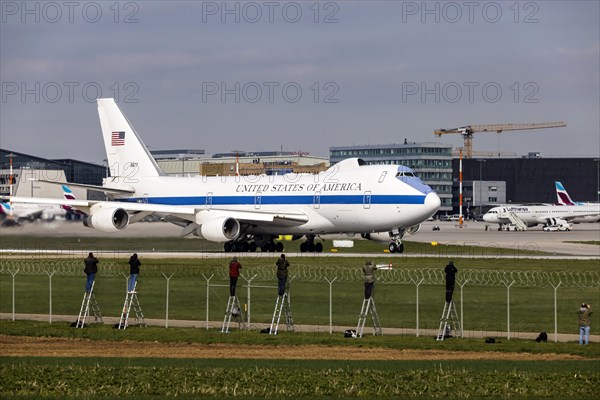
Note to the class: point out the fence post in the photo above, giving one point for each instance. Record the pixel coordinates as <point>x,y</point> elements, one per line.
<point>508,309</point>
<point>50,295</point>
<point>248,287</point>
<point>418,284</point>
<point>167,306</point>
<point>13,291</point>
<point>207,296</point>
<point>462,325</point>
<point>126,282</point>
<point>331,304</point>
<point>556,312</point>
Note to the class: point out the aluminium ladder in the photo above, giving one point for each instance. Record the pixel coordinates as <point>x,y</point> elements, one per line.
<point>449,322</point>
<point>282,304</point>
<point>131,300</point>
<point>368,308</point>
<point>89,301</point>
<point>233,310</point>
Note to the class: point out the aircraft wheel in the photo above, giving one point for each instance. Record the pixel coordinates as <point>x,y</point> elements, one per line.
<point>252,247</point>
<point>401,248</point>
<point>303,247</point>
<point>319,247</point>
<point>393,247</point>
<point>227,247</point>
<point>310,247</point>
<point>271,247</point>
<point>264,248</point>
<point>244,247</point>
<point>279,247</point>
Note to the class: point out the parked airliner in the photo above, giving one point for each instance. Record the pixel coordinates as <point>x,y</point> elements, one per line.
<point>31,211</point>
<point>544,214</point>
<point>381,202</point>
<point>564,199</point>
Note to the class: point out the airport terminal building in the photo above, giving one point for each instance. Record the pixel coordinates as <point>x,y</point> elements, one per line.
<point>432,162</point>
<point>531,179</point>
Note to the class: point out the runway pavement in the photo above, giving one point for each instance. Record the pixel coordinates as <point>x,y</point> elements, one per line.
<point>470,234</point>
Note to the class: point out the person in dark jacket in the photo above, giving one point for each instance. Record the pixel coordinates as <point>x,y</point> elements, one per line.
<point>369,272</point>
<point>450,280</point>
<point>234,273</point>
<point>584,317</point>
<point>91,267</point>
<point>134,271</point>
<point>282,273</point>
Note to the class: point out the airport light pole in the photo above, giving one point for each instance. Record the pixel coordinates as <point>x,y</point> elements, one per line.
<point>480,161</point>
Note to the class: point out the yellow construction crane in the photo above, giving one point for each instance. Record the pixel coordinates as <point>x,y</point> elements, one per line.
<point>469,130</point>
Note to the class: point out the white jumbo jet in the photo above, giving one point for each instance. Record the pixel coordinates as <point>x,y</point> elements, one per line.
<point>381,202</point>
<point>548,215</point>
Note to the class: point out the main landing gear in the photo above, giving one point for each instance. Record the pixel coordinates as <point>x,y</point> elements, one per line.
<point>252,243</point>
<point>309,246</point>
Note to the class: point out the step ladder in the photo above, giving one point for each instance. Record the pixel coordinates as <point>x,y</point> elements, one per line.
<point>233,310</point>
<point>368,308</point>
<point>282,304</point>
<point>131,300</point>
<point>89,301</point>
<point>449,322</point>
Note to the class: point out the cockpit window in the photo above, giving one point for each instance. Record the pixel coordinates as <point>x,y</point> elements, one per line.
<point>405,173</point>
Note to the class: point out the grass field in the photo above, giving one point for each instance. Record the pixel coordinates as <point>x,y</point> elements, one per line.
<point>113,377</point>
<point>485,308</point>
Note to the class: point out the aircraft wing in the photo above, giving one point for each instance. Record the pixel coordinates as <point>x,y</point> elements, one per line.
<point>105,189</point>
<point>181,213</point>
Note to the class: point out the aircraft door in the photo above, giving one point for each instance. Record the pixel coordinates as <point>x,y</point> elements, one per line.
<point>209,199</point>
<point>257,200</point>
<point>367,199</point>
<point>317,200</point>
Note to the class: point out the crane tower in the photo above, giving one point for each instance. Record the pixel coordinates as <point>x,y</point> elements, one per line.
<point>468,131</point>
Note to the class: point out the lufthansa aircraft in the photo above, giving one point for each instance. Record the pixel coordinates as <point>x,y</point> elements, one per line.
<point>543,214</point>
<point>381,202</point>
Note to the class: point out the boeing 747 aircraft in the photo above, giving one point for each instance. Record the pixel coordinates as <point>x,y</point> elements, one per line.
<point>382,202</point>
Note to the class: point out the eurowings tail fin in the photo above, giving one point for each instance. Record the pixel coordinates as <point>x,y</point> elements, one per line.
<point>563,195</point>
<point>127,155</point>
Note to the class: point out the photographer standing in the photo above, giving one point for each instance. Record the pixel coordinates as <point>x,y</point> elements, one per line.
<point>450,280</point>
<point>369,272</point>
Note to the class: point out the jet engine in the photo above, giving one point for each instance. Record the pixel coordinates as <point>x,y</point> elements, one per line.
<point>221,229</point>
<point>107,219</point>
<point>386,237</point>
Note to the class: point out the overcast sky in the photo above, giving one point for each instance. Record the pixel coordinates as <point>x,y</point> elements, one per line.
<point>299,76</point>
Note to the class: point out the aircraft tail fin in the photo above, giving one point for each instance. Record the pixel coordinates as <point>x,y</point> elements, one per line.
<point>127,155</point>
<point>562,195</point>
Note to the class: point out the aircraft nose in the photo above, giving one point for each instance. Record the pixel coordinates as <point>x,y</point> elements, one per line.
<point>487,218</point>
<point>432,202</point>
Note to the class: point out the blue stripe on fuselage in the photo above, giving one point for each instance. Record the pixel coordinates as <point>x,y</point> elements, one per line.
<point>270,200</point>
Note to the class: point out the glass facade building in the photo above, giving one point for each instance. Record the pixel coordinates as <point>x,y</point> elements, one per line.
<point>432,162</point>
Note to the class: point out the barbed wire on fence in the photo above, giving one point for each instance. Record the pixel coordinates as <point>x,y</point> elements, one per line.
<point>319,274</point>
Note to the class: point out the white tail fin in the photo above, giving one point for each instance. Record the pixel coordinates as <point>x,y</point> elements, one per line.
<point>127,156</point>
